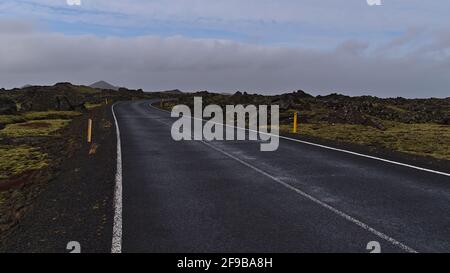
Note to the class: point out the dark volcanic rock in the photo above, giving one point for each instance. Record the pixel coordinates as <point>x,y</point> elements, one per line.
<point>61,97</point>
<point>237,94</point>
<point>348,115</point>
<point>445,120</point>
<point>7,106</point>
<point>302,94</point>
<point>130,91</point>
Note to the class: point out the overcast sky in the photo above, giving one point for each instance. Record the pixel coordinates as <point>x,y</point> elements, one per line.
<point>401,48</point>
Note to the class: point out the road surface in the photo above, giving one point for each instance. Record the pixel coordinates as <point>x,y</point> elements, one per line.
<point>227,196</point>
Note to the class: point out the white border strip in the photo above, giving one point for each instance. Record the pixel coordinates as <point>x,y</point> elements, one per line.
<point>327,147</point>
<point>116,246</point>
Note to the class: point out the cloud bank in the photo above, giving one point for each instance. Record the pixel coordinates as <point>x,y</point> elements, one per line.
<point>399,67</point>
<point>310,23</point>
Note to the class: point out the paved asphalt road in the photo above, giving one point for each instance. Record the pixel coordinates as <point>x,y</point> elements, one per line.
<point>227,196</point>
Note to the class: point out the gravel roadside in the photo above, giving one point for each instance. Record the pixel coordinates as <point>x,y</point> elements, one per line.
<point>76,205</point>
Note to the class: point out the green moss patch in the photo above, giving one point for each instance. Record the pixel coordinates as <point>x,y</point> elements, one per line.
<point>9,119</point>
<point>419,139</point>
<point>92,105</point>
<point>51,115</point>
<point>18,159</point>
<point>34,128</point>
<point>86,90</point>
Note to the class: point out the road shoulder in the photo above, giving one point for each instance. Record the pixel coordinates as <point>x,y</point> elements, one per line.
<point>81,195</point>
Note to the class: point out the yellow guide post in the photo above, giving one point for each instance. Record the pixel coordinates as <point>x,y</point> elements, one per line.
<point>89,133</point>
<point>294,127</point>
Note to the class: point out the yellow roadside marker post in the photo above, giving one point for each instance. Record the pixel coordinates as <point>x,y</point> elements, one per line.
<point>294,126</point>
<point>106,101</point>
<point>89,133</point>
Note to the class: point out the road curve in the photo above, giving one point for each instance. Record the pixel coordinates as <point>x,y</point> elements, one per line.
<point>227,196</point>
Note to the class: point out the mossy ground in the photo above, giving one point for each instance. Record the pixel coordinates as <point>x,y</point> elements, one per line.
<point>418,139</point>
<point>423,139</point>
<point>27,116</point>
<point>34,128</point>
<point>18,159</point>
<point>86,90</point>
<point>51,115</point>
<point>90,106</point>
<point>9,119</point>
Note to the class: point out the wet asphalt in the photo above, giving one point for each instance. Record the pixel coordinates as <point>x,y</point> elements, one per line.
<point>228,196</point>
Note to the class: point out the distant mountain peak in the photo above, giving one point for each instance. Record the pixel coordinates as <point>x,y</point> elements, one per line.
<point>103,85</point>
<point>174,91</point>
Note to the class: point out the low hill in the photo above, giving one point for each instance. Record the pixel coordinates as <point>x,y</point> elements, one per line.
<point>104,85</point>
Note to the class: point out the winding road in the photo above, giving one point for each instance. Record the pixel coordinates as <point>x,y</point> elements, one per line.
<point>228,196</point>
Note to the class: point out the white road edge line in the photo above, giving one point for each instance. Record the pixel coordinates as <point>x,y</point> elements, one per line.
<point>327,147</point>
<point>313,199</point>
<point>116,246</point>
<point>320,203</point>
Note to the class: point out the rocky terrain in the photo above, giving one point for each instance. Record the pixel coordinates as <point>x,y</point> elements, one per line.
<point>415,126</point>
<point>60,97</point>
<point>336,108</point>
<point>41,128</point>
